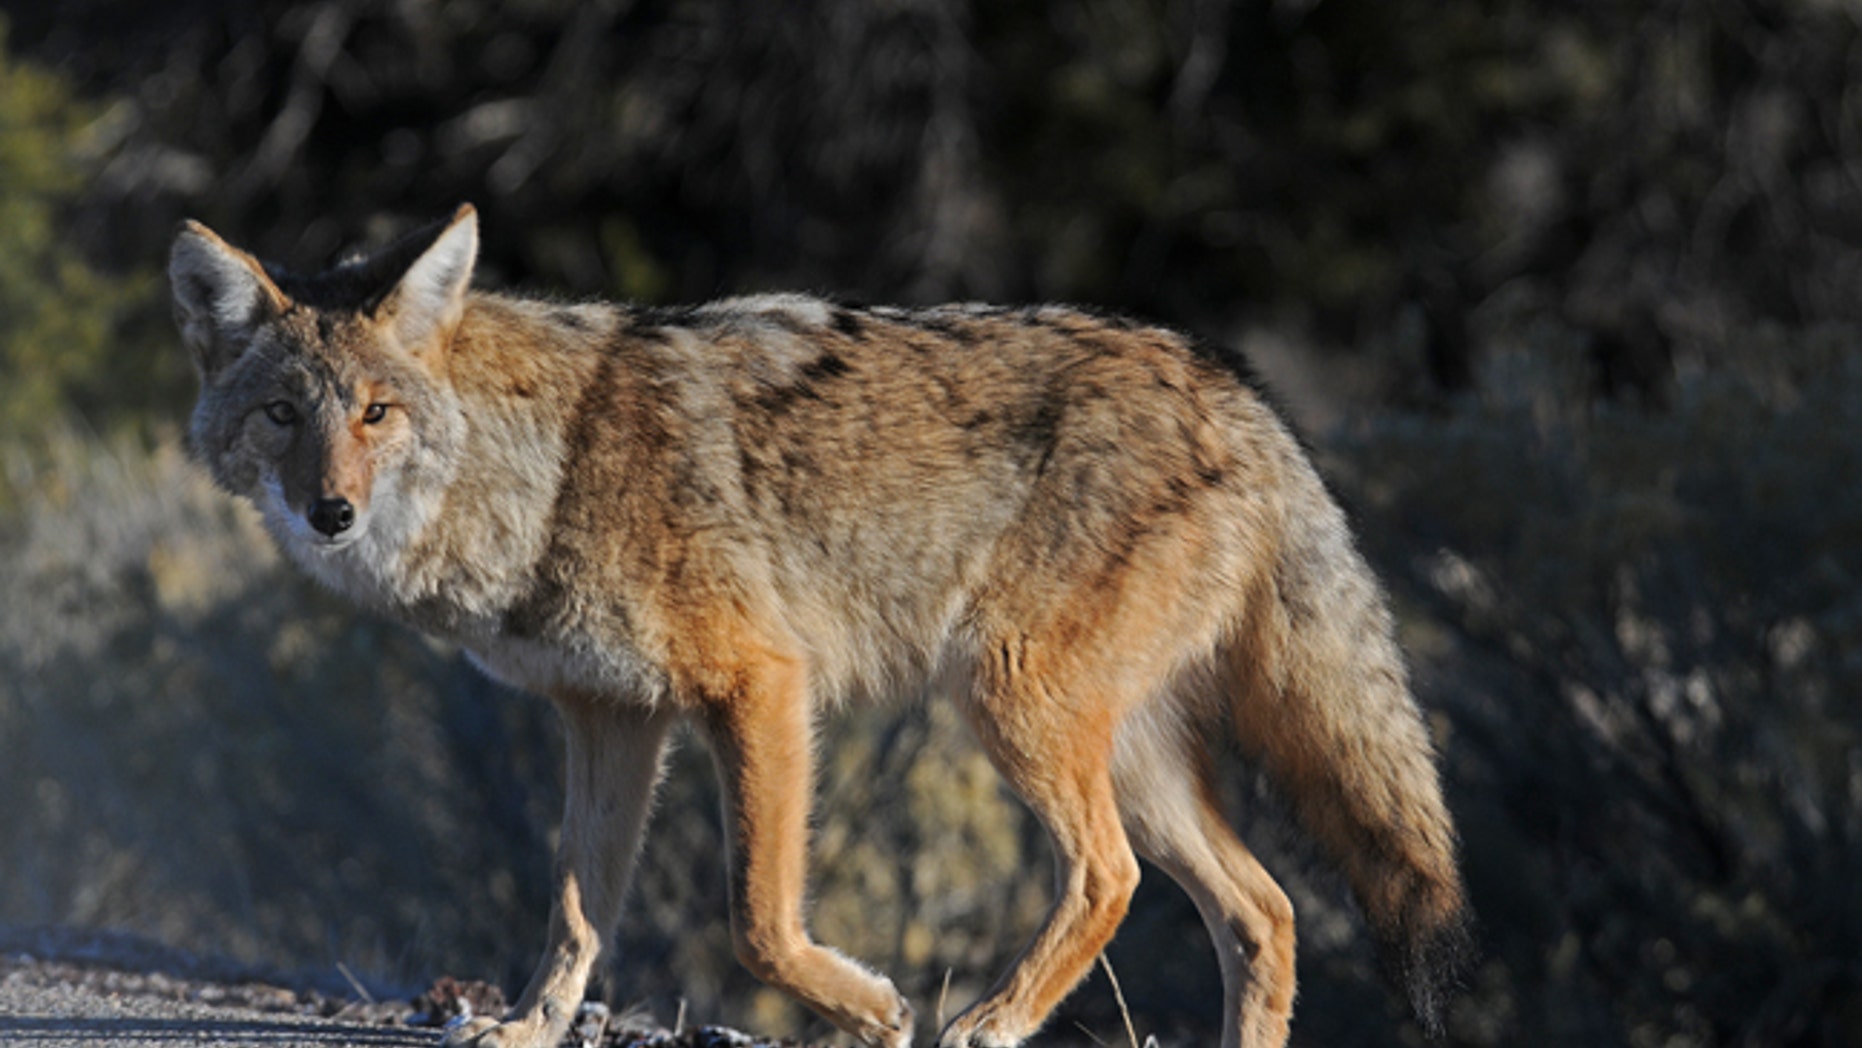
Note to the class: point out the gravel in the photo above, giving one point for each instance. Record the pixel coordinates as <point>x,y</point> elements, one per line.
<point>63,989</point>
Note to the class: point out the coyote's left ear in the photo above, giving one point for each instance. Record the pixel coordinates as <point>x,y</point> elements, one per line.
<point>429,298</point>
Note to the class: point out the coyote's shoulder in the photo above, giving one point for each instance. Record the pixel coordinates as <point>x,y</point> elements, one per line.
<point>744,511</point>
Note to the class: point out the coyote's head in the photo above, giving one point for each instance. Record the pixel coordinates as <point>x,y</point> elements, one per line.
<point>324,399</point>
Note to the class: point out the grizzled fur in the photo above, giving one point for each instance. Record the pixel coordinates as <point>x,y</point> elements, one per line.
<point>749,512</point>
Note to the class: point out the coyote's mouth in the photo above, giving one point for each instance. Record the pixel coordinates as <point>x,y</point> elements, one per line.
<point>332,543</point>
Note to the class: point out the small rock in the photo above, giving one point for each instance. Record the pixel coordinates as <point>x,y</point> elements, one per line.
<point>591,1021</point>
<point>449,998</point>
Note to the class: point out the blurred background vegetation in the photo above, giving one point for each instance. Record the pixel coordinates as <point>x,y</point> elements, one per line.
<point>1566,296</point>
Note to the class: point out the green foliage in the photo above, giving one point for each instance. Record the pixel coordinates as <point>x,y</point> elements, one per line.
<point>58,315</point>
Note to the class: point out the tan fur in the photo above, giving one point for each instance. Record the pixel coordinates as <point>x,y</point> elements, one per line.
<point>747,512</point>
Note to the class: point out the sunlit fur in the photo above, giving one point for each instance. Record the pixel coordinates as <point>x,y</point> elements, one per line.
<point>747,512</point>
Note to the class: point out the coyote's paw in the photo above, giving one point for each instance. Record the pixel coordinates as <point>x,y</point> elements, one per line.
<point>982,1027</point>
<point>480,1031</point>
<point>891,1030</point>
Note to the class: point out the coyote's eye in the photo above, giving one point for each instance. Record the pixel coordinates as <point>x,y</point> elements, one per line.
<point>374,413</point>
<point>282,412</point>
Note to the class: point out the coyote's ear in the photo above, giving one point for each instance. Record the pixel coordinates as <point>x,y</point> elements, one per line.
<point>429,298</point>
<point>221,295</point>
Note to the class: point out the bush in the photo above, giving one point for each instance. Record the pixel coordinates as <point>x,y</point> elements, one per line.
<point>1646,629</point>
<point>60,315</point>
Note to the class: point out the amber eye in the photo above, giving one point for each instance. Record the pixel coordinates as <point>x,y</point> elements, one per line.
<point>374,413</point>
<point>282,412</point>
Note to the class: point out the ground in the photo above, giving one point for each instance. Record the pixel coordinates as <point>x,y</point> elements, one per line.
<point>63,989</point>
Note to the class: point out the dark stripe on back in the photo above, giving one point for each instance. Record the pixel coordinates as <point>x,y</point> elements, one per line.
<point>849,323</point>
<point>653,321</point>
<point>828,365</point>
<point>943,325</point>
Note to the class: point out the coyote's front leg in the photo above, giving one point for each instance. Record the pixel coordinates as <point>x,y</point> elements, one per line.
<point>613,756</point>
<point>761,736</point>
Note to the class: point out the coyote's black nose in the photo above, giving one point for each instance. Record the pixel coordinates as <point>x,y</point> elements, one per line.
<point>331,516</point>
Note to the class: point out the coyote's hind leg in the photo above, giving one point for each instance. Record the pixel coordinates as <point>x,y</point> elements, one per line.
<point>1055,748</point>
<point>1170,811</point>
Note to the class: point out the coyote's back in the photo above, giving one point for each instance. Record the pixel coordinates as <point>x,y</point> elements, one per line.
<point>745,512</point>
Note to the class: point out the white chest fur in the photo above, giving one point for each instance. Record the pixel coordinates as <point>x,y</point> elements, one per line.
<point>551,668</point>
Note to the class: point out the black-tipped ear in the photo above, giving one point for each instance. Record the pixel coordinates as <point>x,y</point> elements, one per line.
<point>429,298</point>
<point>221,295</point>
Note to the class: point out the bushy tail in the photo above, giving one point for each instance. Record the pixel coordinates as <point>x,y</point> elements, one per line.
<point>1325,709</point>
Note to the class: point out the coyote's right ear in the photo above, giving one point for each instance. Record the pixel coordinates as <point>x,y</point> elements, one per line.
<point>221,296</point>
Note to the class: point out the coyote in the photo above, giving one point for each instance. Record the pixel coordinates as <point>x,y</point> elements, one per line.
<point>751,512</point>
